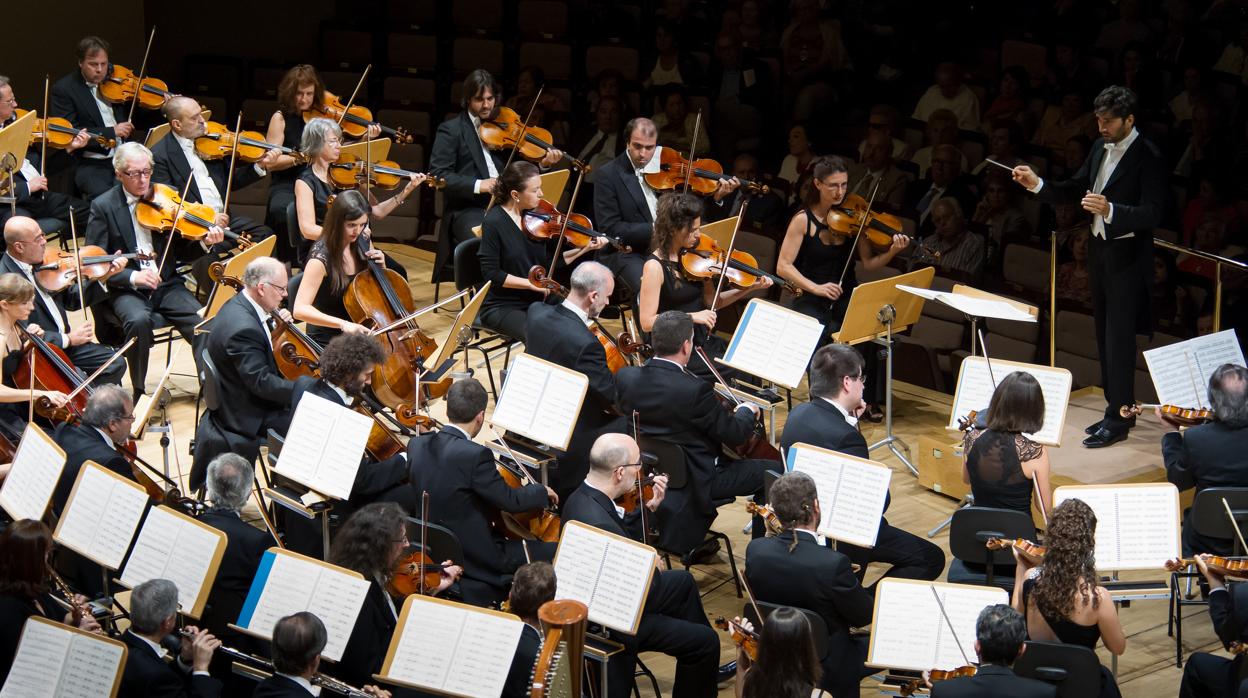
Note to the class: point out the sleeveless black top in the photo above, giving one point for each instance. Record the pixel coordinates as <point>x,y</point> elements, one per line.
<point>823,263</point>
<point>994,462</point>
<point>329,300</point>
<point>291,137</point>
<point>320,193</point>
<point>1068,631</point>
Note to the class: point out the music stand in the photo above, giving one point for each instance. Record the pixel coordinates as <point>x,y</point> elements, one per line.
<point>876,310</point>
<point>374,151</point>
<point>14,142</point>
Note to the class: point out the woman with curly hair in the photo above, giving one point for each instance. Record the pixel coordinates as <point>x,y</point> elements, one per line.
<point>371,543</point>
<point>1061,599</point>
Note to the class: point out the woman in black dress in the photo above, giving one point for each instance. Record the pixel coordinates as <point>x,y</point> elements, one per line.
<point>1003,467</point>
<point>17,300</point>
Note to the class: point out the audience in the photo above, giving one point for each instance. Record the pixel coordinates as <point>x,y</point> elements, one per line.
<point>949,93</point>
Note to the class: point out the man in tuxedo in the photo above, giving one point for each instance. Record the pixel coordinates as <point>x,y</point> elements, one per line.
<point>1213,454</point>
<point>830,420</point>
<point>153,616</point>
<point>24,249</point>
<point>153,290</point>
<point>76,98</point>
<point>469,168</point>
<point>796,568</point>
<point>560,334</point>
<point>34,199</point>
<point>105,425</point>
<point>676,406</point>
<point>466,493</point>
<point>1000,632</point>
<point>1208,675</point>
<point>298,640</point>
<point>672,620</point>
<point>254,393</point>
<point>1123,185</point>
<point>533,585</point>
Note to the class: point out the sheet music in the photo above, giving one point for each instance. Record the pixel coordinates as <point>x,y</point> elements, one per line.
<point>101,516</point>
<point>288,583</point>
<point>851,492</point>
<point>171,547</point>
<point>36,469</point>
<point>608,574</point>
<point>454,648</point>
<point>1181,371</point>
<point>83,666</point>
<point>324,446</point>
<point>975,307</point>
<point>975,388</point>
<point>540,400</point>
<point>774,343</point>
<point>1137,526</point>
<point>909,631</point>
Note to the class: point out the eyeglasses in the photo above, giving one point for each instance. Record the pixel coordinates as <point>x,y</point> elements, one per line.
<point>861,378</point>
<point>273,285</point>
<point>630,465</point>
<point>137,174</point>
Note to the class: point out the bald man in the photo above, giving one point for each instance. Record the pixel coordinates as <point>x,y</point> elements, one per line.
<point>24,248</point>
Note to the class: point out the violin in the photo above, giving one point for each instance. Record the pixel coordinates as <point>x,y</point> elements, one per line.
<point>219,142</point>
<point>354,120</point>
<point>59,269</point>
<point>350,171</point>
<point>703,174</point>
<point>59,133</point>
<point>1031,550</point>
<point>1186,416</point>
<point>706,261</point>
<point>122,84</point>
<point>406,577</point>
<point>938,675</point>
<point>967,423</point>
<point>1219,565</point>
<point>747,640</point>
<point>170,495</point>
<point>545,222</point>
<point>539,524</point>
<point>156,212</point>
<point>844,221</point>
<point>774,527</point>
<point>505,131</point>
<point>619,352</point>
<point>642,491</point>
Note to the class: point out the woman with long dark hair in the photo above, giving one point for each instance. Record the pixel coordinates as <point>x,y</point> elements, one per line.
<point>1003,467</point>
<point>787,666</point>
<point>333,262</point>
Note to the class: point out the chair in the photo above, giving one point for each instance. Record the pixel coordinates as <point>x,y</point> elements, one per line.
<point>481,17</point>
<point>409,92</point>
<point>292,227</point>
<point>818,628</point>
<point>969,529</point>
<point>1208,519</point>
<point>469,54</point>
<point>442,542</point>
<point>621,58</point>
<point>346,48</point>
<point>555,59</point>
<point>468,276</point>
<point>542,20</point>
<point>1075,670</point>
<point>672,461</point>
<point>412,53</point>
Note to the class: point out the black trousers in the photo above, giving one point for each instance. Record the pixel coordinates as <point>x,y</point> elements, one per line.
<point>674,623</point>
<point>837,684</point>
<point>457,226</point>
<point>1210,676</point>
<point>484,590</point>
<point>509,320</point>
<point>90,356</point>
<point>910,556</point>
<point>1119,278</point>
<point>138,314</point>
<point>93,177</point>
<point>743,478</point>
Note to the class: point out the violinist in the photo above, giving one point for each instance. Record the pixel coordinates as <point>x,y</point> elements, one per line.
<point>830,420</point>
<point>1213,454</point>
<point>1211,676</point>
<point>1003,467</point>
<point>298,640</point>
<point>673,620</point>
<point>797,568</point>
<point>34,199</point>
<point>787,666</point>
<point>300,90</point>
<point>254,394</point>
<point>371,542</point>
<point>533,585</point>
<point>25,249</point>
<point>17,301</point>
<point>1000,634</point>
<point>139,296</point>
<point>664,285</point>
<point>76,97</point>
<point>465,490</point>
<point>507,252</point>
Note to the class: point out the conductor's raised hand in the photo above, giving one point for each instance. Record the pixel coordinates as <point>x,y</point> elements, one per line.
<point>1024,176</point>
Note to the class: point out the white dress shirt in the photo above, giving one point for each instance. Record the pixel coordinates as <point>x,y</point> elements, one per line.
<point>46,299</point>
<point>1113,155</point>
<point>208,192</point>
<point>489,159</point>
<point>818,537</point>
<point>142,236</point>
<point>853,421</point>
<point>106,113</point>
<point>263,315</point>
<point>655,165</point>
<point>584,316</point>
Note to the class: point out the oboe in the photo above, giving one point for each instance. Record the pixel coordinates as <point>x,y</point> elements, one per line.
<point>77,610</point>
<point>321,680</point>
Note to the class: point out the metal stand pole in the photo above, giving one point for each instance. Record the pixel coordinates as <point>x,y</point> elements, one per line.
<point>886,317</point>
<point>967,501</point>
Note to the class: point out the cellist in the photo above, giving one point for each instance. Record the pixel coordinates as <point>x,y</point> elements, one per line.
<point>17,300</point>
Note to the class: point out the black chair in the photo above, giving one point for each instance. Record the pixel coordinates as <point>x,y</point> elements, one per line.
<point>468,276</point>
<point>973,562</point>
<point>293,236</point>
<point>1074,669</point>
<point>1209,520</point>
<point>671,460</point>
<point>818,628</point>
<point>441,543</point>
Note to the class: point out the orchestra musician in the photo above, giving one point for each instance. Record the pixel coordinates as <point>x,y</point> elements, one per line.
<point>466,491</point>
<point>533,585</point>
<point>17,302</point>
<point>796,568</point>
<point>254,393</point>
<point>1213,454</point>
<point>1125,209</point>
<point>664,285</point>
<point>507,252</point>
<point>674,405</point>
<point>76,98</point>
<point>34,199</point>
<point>672,621</point>
<point>371,542</point>
<point>560,334</point>
<point>298,640</point>
<point>1208,675</point>
<point>1003,467</point>
<point>153,290</point>
<point>787,665</point>
<point>153,616</point>
<point>1000,634</point>
<point>830,420</point>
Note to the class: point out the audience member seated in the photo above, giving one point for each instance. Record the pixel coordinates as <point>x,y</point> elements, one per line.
<point>1005,142</point>
<point>1011,101</point>
<point>741,93</point>
<point>1208,145</point>
<point>951,248</point>
<point>601,143</point>
<point>1066,119</point>
<point>676,125</point>
<point>550,112</point>
<point>999,216</point>
<point>811,51</point>
<point>1174,311</point>
<point>943,181</point>
<point>1212,195</point>
<point>795,167</point>
<point>877,166</point>
<point>1003,467</point>
<point>1067,161</point>
<point>1182,104</point>
<point>1072,275</point>
<point>1129,28</point>
<point>673,64</point>
<point>883,118</point>
<point>942,129</point>
<point>949,93</point>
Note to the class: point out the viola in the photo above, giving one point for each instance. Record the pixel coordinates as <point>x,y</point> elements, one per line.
<point>844,221</point>
<point>619,352</point>
<point>745,639</point>
<point>122,84</point>
<point>774,527</point>
<point>1219,565</point>
<point>1031,550</point>
<point>507,129</point>
<point>350,171</point>
<point>219,142</point>
<point>354,120</point>
<point>539,524</point>
<point>59,269</point>
<point>704,175</point>
<point>156,211</point>
<point>1186,416</point>
<point>938,675</point>
<point>59,133</point>
<point>757,445</point>
<point>545,222</point>
<point>406,578</point>
<point>706,261</point>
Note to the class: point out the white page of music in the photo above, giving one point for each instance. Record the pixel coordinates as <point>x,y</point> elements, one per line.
<point>36,469</point>
<point>84,667</point>
<point>540,400</point>
<point>100,519</point>
<point>909,631</point>
<point>1137,526</point>
<point>455,649</point>
<point>169,547</point>
<point>295,585</point>
<point>1181,371</point>
<point>971,305</point>
<point>773,342</point>
<point>851,493</point>
<point>975,388</point>
<point>607,575</point>
<point>324,446</point>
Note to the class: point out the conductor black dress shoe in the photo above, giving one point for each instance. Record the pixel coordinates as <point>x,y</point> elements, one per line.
<point>1105,437</point>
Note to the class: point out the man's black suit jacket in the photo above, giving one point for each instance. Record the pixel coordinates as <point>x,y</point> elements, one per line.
<point>991,681</point>
<point>464,490</point>
<point>72,100</point>
<point>244,546</point>
<point>173,169</point>
<point>254,394</point>
<point>68,298</point>
<point>591,506</point>
<point>456,156</point>
<point>517,685</point>
<point>280,687</point>
<point>110,227</point>
<point>58,160</point>
<point>148,676</point>
<point>1209,455</point>
<point>819,423</point>
<point>620,208</point>
<point>83,443</point>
